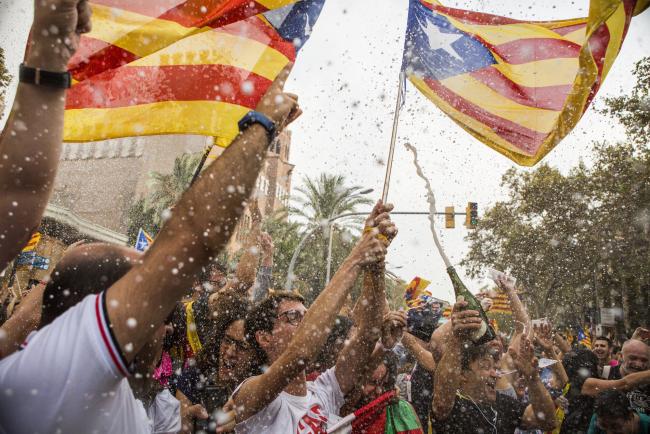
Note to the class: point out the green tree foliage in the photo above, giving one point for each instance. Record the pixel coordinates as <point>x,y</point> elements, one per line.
<point>139,216</point>
<point>310,269</point>
<point>164,191</point>
<point>320,199</point>
<point>581,239</point>
<point>633,111</point>
<point>5,78</point>
<point>327,196</point>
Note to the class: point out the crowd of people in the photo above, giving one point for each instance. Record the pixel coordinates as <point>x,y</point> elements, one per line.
<point>172,341</point>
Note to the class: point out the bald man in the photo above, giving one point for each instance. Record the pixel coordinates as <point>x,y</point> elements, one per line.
<point>636,358</point>
<point>632,376</point>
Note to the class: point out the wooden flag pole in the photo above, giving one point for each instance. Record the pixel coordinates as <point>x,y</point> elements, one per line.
<point>393,138</point>
<point>197,172</point>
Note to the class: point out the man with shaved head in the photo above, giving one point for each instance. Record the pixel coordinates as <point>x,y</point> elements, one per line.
<point>632,376</point>
<point>636,358</point>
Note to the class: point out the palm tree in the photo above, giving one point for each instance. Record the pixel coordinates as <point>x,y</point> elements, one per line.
<point>327,197</point>
<point>324,198</point>
<point>167,188</point>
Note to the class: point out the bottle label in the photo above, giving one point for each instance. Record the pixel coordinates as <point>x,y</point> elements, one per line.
<point>478,334</point>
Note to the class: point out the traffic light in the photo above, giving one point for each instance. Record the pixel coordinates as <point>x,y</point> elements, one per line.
<point>450,217</point>
<point>471,215</point>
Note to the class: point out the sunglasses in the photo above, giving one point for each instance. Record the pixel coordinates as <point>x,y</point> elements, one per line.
<point>293,316</point>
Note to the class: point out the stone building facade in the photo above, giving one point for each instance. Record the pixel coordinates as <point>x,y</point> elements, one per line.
<point>98,182</point>
<point>271,190</point>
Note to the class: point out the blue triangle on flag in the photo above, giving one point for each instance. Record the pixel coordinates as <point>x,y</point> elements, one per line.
<point>142,243</point>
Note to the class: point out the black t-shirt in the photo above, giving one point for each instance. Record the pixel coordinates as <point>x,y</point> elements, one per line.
<point>639,397</point>
<point>500,417</point>
<point>200,390</point>
<point>421,392</point>
<point>578,416</point>
<point>615,373</point>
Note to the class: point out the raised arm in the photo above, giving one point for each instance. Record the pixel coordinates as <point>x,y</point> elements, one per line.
<point>562,344</point>
<point>199,228</point>
<point>265,272</point>
<point>417,348</point>
<point>247,266</point>
<point>593,386</point>
<point>438,341</point>
<point>24,320</point>
<point>355,355</point>
<point>544,340</point>
<point>447,378</point>
<point>540,413</point>
<point>258,392</point>
<point>30,143</point>
<point>519,312</point>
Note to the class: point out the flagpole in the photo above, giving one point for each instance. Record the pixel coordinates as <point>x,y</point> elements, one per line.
<point>393,138</point>
<point>197,172</point>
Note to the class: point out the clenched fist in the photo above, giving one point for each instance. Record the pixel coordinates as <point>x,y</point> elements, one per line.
<point>55,34</point>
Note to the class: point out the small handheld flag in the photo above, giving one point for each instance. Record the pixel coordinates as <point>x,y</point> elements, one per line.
<point>143,241</point>
<point>584,337</point>
<point>416,294</point>
<point>33,241</point>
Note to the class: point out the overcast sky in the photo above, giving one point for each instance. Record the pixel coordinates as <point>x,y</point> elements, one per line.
<point>347,76</point>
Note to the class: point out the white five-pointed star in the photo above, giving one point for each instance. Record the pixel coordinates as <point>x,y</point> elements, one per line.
<point>440,40</point>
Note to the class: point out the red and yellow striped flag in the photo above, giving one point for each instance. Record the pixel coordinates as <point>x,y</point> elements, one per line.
<point>518,86</point>
<point>501,304</point>
<point>415,293</point>
<point>33,242</point>
<point>174,67</point>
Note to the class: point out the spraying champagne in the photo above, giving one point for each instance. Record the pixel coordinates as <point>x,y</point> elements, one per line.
<point>486,332</point>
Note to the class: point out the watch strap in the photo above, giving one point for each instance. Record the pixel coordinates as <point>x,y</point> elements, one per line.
<point>41,77</point>
<point>254,117</point>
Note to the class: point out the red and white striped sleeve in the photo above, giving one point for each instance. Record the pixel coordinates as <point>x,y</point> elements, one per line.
<point>107,337</point>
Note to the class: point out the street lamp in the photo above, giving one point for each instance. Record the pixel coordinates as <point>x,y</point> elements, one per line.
<point>331,233</point>
<point>290,277</point>
<point>288,283</point>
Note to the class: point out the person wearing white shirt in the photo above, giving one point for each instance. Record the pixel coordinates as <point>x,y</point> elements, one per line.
<point>287,336</point>
<point>71,376</point>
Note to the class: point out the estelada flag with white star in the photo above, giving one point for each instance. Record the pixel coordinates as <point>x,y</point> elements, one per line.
<point>180,66</point>
<point>518,86</point>
<point>143,241</point>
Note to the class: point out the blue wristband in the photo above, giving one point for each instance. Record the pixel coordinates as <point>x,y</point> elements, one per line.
<point>253,117</point>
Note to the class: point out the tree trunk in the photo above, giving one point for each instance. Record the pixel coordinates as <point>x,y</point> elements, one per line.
<point>644,298</point>
<point>626,292</point>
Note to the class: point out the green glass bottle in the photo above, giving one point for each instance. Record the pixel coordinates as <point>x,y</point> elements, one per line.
<point>486,332</point>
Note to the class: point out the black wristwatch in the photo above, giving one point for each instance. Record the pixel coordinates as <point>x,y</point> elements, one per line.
<point>253,117</point>
<point>40,77</point>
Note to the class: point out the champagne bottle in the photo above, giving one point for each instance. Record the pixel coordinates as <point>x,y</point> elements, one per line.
<point>485,333</point>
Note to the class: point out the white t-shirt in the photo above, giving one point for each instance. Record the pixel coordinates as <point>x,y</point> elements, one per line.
<point>290,414</point>
<point>165,413</point>
<point>70,378</point>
